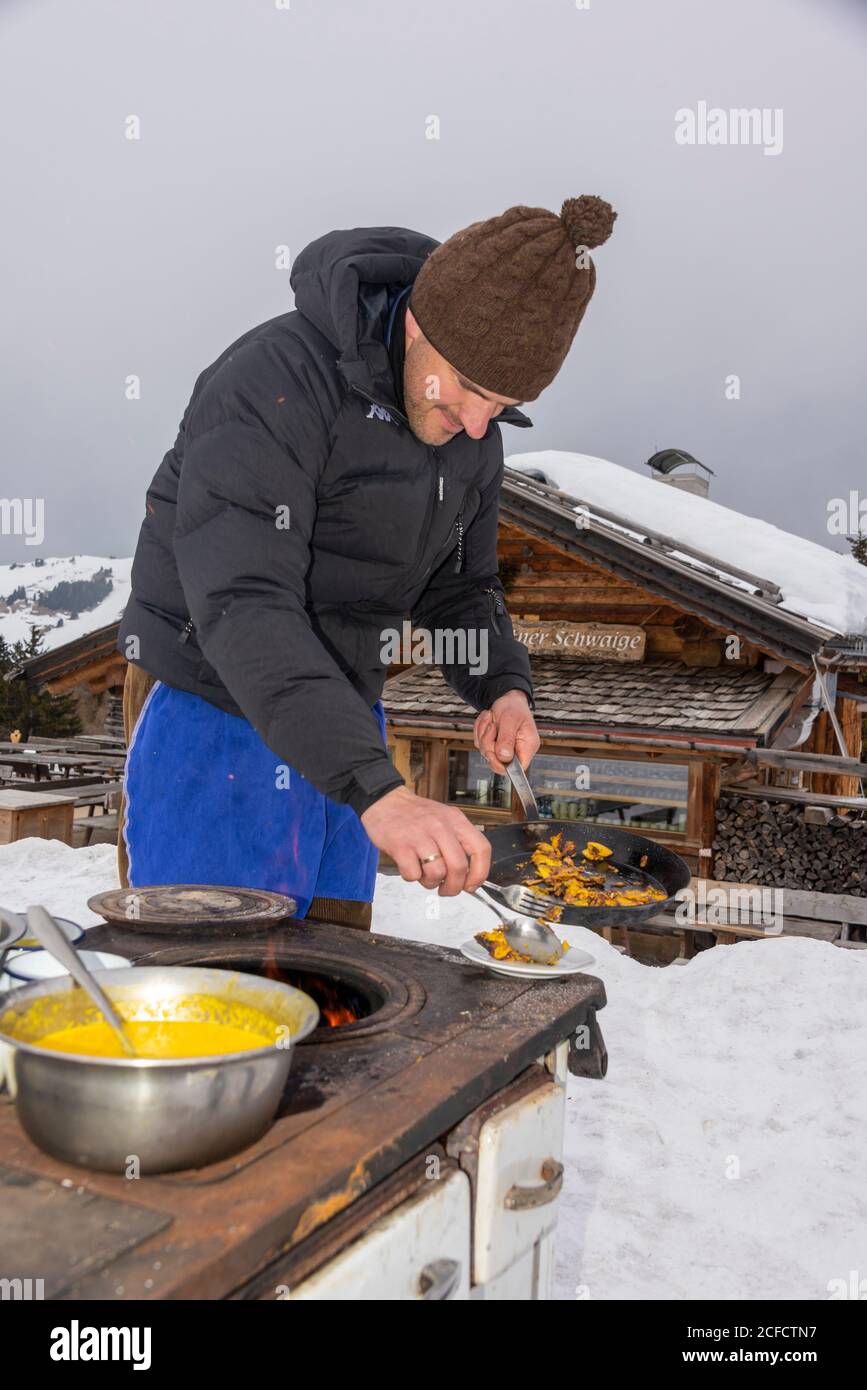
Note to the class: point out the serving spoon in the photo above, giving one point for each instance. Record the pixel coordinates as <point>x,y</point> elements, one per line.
<point>525,935</point>
<point>48,933</point>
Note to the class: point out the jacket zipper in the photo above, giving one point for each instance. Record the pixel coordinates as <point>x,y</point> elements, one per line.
<point>187,631</point>
<point>441,491</point>
<point>496,608</point>
<point>392,410</point>
<point>439,488</point>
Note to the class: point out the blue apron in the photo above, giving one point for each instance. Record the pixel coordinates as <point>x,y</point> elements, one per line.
<point>208,802</point>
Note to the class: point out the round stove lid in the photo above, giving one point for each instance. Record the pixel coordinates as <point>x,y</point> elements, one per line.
<point>197,905</point>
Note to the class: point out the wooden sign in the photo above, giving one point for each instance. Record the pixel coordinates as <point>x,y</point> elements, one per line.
<point>596,641</point>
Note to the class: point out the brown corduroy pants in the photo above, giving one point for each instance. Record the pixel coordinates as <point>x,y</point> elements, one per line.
<point>342,912</point>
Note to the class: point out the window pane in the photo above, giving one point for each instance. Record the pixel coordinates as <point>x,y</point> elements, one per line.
<point>471,781</point>
<point>644,795</point>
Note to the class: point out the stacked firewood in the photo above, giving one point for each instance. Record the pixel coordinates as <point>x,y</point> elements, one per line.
<point>770,842</point>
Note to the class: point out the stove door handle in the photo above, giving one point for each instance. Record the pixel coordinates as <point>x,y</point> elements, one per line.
<point>439,1279</point>
<point>520,1198</point>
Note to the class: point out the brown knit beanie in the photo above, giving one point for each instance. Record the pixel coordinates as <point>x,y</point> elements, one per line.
<point>502,299</point>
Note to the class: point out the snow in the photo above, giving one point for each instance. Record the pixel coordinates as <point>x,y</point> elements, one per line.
<point>722,1157</point>
<point>16,623</point>
<point>57,876</point>
<point>827,588</point>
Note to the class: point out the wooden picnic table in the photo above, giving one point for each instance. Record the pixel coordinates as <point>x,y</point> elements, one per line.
<point>95,793</point>
<point>81,743</point>
<point>39,759</point>
<point>50,813</point>
<point>106,795</point>
<point>39,768</point>
<point>82,792</point>
<point>46,815</point>
<point>44,750</point>
<point>43,760</point>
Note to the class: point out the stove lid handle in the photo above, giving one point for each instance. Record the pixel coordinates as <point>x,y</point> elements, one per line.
<point>439,1279</point>
<point>520,1198</point>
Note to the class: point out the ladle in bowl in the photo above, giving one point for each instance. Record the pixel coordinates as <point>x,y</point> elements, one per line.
<point>46,931</point>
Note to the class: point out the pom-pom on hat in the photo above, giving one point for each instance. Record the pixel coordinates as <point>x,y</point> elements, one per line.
<point>502,299</point>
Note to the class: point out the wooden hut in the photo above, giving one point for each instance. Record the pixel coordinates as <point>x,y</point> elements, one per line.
<point>666,678</point>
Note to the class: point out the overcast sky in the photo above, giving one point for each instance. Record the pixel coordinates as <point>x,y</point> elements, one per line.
<point>262,126</point>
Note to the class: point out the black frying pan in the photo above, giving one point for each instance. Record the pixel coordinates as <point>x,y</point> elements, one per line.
<point>513,845</point>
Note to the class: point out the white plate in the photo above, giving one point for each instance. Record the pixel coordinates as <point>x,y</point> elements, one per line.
<point>569,964</point>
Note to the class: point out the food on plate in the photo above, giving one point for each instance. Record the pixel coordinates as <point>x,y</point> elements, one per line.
<point>496,945</point>
<point>578,884</point>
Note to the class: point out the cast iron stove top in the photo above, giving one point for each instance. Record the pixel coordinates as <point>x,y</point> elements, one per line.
<point>423,1038</point>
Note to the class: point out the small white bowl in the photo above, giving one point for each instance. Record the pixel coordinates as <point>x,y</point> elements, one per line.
<point>27,967</point>
<point>71,930</point>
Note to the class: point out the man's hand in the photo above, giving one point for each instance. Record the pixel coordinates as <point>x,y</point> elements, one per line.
<point>431,844</point>
<point>506,730</point>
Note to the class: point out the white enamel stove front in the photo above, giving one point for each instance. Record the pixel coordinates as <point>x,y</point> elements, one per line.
<point>479,1226</point>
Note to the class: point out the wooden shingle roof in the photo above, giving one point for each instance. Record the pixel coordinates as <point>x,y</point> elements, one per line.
<point>659,696</point>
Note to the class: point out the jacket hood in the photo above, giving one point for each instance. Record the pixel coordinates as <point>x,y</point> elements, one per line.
<point>341,283</point>
<point>336,279</point>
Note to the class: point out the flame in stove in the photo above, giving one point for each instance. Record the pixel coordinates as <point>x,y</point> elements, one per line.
<point>334,1011</point>
<point>333,1006</point>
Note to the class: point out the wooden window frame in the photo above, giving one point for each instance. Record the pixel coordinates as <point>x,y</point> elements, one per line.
<point>694,843</point>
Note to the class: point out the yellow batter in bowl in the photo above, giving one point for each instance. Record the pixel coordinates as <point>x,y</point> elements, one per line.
<point>193,1027</point>
<point>155,1040</point>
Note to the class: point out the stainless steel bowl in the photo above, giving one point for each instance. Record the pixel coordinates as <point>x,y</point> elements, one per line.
<point>106,1112</point>
<point>11,931</point>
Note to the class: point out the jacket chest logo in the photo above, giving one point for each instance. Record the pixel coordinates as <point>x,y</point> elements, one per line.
<point>378,412</point>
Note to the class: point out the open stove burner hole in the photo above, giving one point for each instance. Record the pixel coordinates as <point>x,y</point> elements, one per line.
<point>341,1002</point>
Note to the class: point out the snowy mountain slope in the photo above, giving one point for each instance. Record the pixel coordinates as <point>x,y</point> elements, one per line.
<point>17,618</point>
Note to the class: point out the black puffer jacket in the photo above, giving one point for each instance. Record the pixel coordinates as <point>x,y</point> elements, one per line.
<point>283,623</point>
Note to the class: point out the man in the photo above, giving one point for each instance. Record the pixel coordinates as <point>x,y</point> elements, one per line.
<point>338,470</point>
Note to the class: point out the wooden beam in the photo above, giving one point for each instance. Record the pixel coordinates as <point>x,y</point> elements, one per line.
<point>562,740</point>
<point>401,756</point>
<point>438,770</point>
<point>767,793</point>
<point>710,787</point>
<point>108,670</point>
<point>799,902</point>
<point>806,762</point>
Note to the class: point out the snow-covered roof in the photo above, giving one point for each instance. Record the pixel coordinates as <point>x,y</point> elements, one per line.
<point>815,582</point>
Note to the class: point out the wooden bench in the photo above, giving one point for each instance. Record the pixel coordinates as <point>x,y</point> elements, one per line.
<point>106,795</point>
<point>734,913</point>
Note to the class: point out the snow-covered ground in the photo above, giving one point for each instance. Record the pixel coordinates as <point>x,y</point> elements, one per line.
<point>16,621</point>
<point>816,582</point>
<point>724,1156</point>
